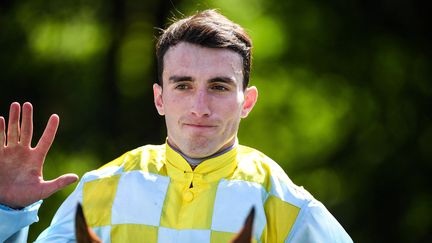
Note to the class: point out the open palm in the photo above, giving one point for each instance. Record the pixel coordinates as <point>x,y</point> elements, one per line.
<point>21,179</point>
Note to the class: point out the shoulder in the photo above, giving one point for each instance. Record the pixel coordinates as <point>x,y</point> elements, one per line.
<point>148,158</point>
<point>290,207</point>
<point>255,166</point>
<point>317,224</point>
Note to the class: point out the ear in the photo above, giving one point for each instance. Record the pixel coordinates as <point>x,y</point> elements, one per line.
<point>157,94</point>
<point>83,233</point>
<point>251,96</point>
<point>245,234</point>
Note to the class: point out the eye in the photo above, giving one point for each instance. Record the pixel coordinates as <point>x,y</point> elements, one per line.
<point>219,87</point>
<point>182,86</point>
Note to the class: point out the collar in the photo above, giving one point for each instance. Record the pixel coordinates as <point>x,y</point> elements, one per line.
<point>209,170</point>
<point>195,162</point>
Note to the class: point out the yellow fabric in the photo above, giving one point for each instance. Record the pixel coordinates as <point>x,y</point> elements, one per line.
<point>222,237</point>
<point>98,197</point>
<point>217,236</point>
<point>250,168</point>
<point>133,233</point>
<point>255,166</point>
<point>150,160</point>
<point>191,194</point>
<point>183,204</point>
<point>281,217</point>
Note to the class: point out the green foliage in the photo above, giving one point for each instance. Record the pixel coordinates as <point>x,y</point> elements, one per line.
<point>344,95</point>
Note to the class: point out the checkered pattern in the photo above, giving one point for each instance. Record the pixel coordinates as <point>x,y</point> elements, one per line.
<point>147,196</point>
<point>151,194</point>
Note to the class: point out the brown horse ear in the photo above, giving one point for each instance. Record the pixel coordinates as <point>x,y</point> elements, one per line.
<point>245,235</point>
<point>83,233</point>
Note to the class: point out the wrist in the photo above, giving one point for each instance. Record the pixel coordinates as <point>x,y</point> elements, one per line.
<point>9,208</point>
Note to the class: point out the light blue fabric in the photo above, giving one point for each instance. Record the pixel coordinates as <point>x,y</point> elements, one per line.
<point>20,236</point>
<point>14,223</point>
<point>315,224</point>
<point>62,227</point>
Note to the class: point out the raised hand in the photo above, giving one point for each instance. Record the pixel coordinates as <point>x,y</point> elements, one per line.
<point>21,179</point>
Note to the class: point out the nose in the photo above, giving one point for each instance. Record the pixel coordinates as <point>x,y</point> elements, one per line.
<point>200,106</point>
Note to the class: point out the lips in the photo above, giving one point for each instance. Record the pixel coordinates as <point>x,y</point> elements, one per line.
<point>199,125</point>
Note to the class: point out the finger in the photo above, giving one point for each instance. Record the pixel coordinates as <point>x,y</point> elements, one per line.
<point>2,131</point>
<point>26,124</point>
<point>48,135</point>
<point>13,124</point>
<point>59,183</point>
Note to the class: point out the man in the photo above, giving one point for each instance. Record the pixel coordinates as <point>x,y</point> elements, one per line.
<point>197,187</point>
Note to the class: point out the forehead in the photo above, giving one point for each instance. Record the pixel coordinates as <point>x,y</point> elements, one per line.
<point>194,60</point>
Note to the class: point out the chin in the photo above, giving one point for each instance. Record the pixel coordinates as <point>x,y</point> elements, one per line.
<point>200,147</point>
<point>198,154</point>
<point>200,151</point>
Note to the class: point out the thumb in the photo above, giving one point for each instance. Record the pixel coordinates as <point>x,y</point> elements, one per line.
<point>59,183</point>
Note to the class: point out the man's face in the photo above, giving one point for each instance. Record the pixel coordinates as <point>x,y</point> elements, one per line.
<point>202,98</point>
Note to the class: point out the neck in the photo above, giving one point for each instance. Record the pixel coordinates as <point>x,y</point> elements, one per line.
<point>194,162</point>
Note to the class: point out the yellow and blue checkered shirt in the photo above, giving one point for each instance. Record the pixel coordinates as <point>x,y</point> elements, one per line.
<point>151,194</point>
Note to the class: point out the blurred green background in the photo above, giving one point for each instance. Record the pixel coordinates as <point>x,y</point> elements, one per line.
<point>345,95</point>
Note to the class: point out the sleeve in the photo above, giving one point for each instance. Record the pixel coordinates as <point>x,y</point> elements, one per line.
<point>62,227</point>
<point>20,236</point>
<point>317,224</point>
<point>14,223</point>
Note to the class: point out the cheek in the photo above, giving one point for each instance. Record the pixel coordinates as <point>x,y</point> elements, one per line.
<point>171,103</point>
<point>232,114</point>
<point>175,109</point>
<point>235,107</point>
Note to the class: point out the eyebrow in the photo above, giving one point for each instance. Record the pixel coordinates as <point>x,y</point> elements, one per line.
<point>175,78</point>
<point>221,79</point>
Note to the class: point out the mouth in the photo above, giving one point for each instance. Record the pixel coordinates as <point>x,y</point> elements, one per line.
<point>203,126</point>
<point>199,126</point>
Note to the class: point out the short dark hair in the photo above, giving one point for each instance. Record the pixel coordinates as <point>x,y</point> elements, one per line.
<point>209,29</point>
